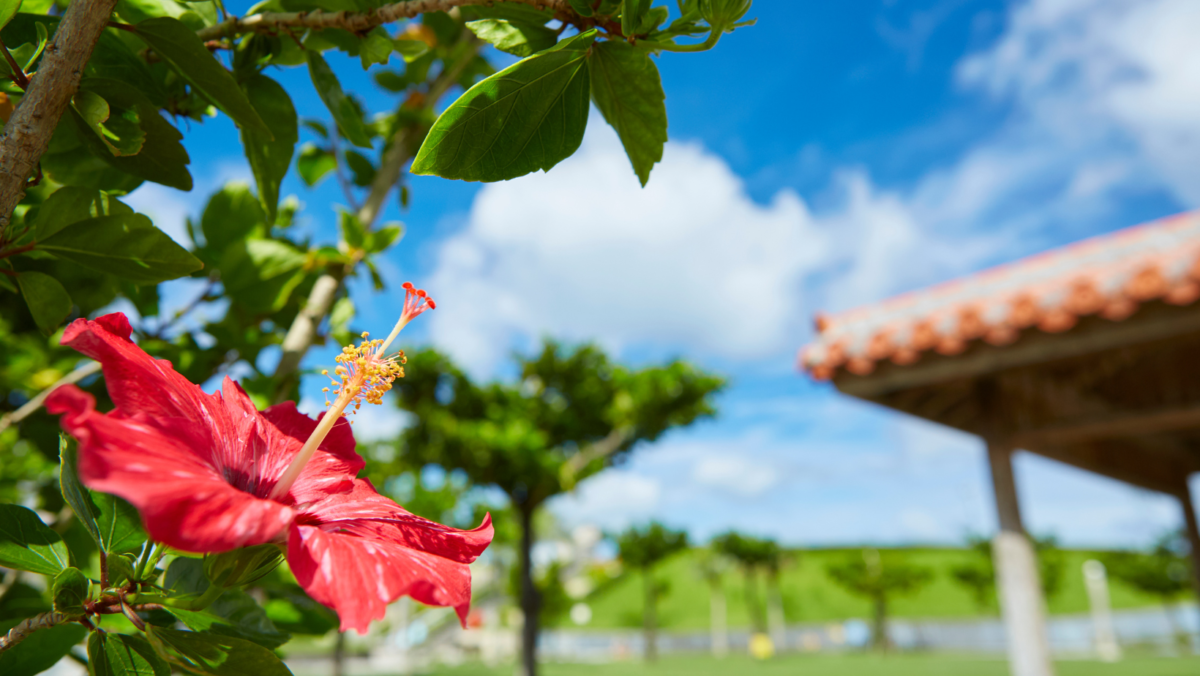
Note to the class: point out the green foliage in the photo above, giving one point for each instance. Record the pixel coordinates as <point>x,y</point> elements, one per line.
<point>628,91</point>
<point>123,655</point>
<point>644,547</point>
<point>979,574</point>
<point>28,544</point>
<point>872,576</point>
<point>1162,572</point>
<point>41,650</point>
<point>519,38</point>
<point>48,301</point>
<point>69,591</point>
<point>527,117</point>
<point>215,654</point>
<point>345,113</point>
<point>270,155</point>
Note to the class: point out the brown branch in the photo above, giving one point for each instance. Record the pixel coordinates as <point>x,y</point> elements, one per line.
<point>355,22</point>
<point>303,331</point>
<point>30,625</point>
<point>29,407</point>
<point>600,449</point>
<point>28,131</point>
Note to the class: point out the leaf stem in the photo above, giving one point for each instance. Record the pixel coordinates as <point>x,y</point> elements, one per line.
<point>18,75</point>
<point>714,36</point>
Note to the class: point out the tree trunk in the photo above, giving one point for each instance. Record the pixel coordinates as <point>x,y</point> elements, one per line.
<point>650,615</point>
<point>339,654</point>
<point>776,622</point>
<point>752,607</point>
<point>530,596</point>
<point>719,624</point>
<point>879,630</point>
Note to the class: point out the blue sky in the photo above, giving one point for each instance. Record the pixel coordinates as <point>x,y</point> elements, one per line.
<point>832,155</point>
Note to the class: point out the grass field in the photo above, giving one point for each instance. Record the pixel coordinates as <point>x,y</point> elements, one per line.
<point>843,665</point>
<point>809,596</point>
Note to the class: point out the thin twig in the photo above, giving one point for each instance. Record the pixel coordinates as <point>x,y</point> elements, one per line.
<point>29,407</point>
<point>18,75</point>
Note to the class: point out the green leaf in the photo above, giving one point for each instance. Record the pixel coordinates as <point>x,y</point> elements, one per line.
<point>179,46</point>
<point>583,7</point>
<point>8,9</point>
<point>383,238</point>
<point>628,91</point>
<point>270,157</point>
<point>232,214</point>
<point>631,15</point>
<point>361,167</point>
<point>125,245</point>
<point>162,157</point>
<point>121,655</point>
<point>48,301</point>
<point>73,491</point>
<point>118,129</point>
<point>410,50</point>
<point>41,650</point>
<point>515,37</point>
<point>119,523</point>
<point>376,47</point>
<point>215,654</point>
<point>260,274</point>
<point>290,609</point>
<point>353,232</point>
<point>235,613</point>
<point>527,117</point>
<point>134,11</point>
<point>344,112</point>
<point>70,590</point>
<point>314,164</point>
<point>67,205</point>
<point>28,544</point>
<point>120,569</point>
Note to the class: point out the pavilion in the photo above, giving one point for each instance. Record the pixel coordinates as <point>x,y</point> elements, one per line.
<point>1088,354</point>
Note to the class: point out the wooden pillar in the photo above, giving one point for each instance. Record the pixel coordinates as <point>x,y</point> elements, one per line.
<point>1017,580</point>
<point>1193,531</point>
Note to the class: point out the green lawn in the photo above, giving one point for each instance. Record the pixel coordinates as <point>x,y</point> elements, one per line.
<point>843,665</point>
<point>809,596</point>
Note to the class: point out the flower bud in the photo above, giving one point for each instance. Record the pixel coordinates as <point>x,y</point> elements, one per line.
<point>723,14</point>
<point>241,566</point>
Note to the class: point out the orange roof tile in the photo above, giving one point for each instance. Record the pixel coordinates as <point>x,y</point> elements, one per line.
<point>1109,276</point>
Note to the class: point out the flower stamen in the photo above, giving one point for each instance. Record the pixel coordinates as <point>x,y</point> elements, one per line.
<point>363,373</point>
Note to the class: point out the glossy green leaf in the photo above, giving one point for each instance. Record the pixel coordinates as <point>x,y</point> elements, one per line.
<point>376,47</point>
<point>235,613</point>
<point>260,274</point>
<point>134,11</point>
<point>361,168</point>
<point>119,523</point>
<point>527,117</point>
<point>179,46</point>
<point>343,110</point>
<point>215,654</point>
<point>515,37</point>
<point>28,544</point>
<point>48,301</point>
<point>120,569</point>
<point>582,7</point>
<point>353,232</point>
<point>73,491</point>
<point>628,91</point>
<point>119,129</point>
<point>126,245</point>
<point>8,9</point>
<point>232,214</point>
<point>69,591</point>
<point>162,157</point>
<point>379,240</point>
<point>314,164</point>
<point>67,205</point>
<point>290,609</point>
<point>631,15</point>
<point>410,50</point>
<point>270,157</point>
<point>41,650</point>
<point>123,655</point>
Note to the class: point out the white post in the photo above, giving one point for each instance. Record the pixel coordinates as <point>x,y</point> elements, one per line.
<point>1193,533</point>
<point>1017,580</point>
<point>1096,580</point>
<point>720,633</point>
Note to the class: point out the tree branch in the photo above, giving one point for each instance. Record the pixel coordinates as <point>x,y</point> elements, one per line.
<point>28,131</point>
<point>303,331</point>
<point>601,449</point>
<point>30,625</point>
<point>29,407</point>
<point>355,22</point>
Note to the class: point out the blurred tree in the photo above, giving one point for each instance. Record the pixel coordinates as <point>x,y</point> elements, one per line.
<point>712,567</point>
<point>1163,572</point>
<point>572,414</point>
<point>869,576</point>
<point>644,549</point>
<point>978,574</point>
<point>753,555</point>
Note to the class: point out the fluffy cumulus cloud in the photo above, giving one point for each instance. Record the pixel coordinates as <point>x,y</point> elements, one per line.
<point>585,253</point>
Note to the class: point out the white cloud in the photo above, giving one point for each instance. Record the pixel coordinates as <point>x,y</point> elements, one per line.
<point>612,500</point>
<point>742,475</point>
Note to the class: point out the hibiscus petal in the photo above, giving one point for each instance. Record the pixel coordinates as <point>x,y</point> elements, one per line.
<point>357,573</point>
<point>393,522</point>
<point>334,465</point>
<point>185,501</point>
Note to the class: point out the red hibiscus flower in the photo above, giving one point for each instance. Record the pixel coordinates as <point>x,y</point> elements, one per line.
<point>209,473</point>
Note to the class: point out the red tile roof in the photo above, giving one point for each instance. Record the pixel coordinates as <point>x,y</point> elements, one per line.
<point>1109,276</point>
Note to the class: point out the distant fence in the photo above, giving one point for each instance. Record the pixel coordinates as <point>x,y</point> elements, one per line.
<point>1069,634</point>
